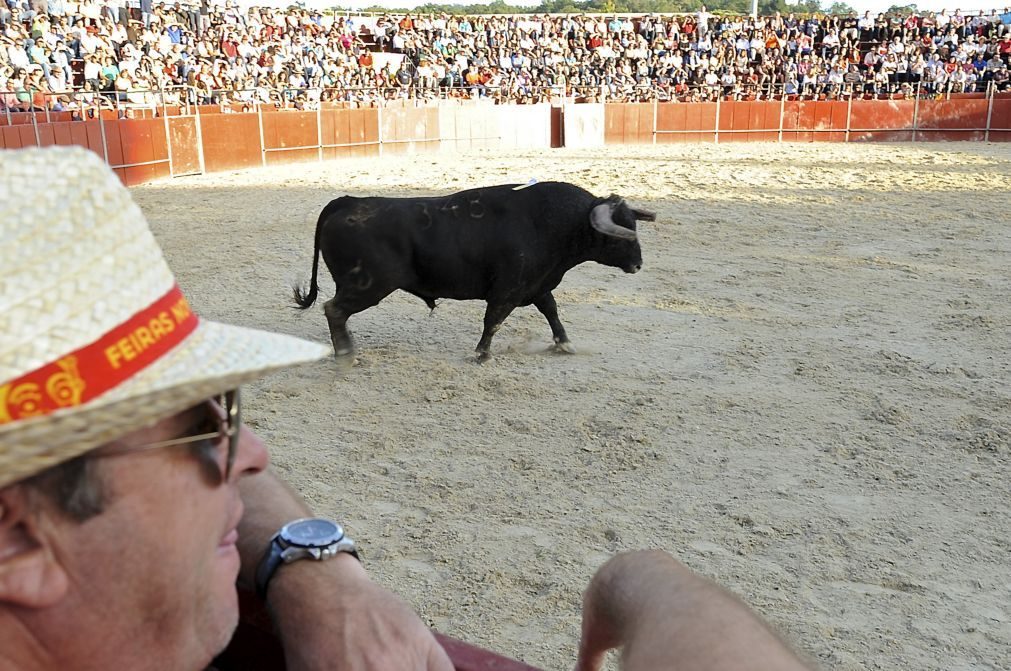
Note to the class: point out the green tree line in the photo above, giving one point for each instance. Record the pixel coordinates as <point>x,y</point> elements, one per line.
<point>765,7</point>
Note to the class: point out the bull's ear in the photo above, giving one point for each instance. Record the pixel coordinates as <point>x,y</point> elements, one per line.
<point>644,215</point>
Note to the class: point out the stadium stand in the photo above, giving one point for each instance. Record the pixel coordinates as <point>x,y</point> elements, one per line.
<point>63,55</point>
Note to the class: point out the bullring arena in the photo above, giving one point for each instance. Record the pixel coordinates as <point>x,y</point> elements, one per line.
<point>804,394</point>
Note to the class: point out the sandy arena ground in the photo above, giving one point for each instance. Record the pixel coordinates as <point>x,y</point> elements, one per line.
<point>805,393</point>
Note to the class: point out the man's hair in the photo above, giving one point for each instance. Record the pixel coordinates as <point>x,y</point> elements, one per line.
<point>74,487</point>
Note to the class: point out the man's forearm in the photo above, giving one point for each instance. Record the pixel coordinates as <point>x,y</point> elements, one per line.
<point>699,625</point>
<point>663,616</point>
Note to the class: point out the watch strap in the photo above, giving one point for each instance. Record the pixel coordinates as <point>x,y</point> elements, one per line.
<point>274,557</point>
<point>265,570</point>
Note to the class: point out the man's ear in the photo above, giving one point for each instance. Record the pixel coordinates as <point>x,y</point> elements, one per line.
<point>30,575</point>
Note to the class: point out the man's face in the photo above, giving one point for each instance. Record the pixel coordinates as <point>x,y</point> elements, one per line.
<point>155,571</point>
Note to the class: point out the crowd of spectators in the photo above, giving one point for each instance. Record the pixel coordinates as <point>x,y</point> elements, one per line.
<point>67,54</point>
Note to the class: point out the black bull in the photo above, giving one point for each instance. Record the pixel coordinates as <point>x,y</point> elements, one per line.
<point>507,245</point>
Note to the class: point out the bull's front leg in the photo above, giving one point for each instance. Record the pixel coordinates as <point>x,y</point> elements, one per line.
<point>546,304</point>
<point>494,315</point>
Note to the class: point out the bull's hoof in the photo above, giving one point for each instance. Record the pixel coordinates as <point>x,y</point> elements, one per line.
<point>344,352</point>
<point>482,356</point>
<point>565,347</point>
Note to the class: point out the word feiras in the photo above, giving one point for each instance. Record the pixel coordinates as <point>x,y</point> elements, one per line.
<point>507,245</point>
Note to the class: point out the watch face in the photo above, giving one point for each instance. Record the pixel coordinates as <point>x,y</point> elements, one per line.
<point>313,532</point>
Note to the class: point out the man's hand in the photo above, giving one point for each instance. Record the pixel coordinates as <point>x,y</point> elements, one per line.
<point>330,615</point>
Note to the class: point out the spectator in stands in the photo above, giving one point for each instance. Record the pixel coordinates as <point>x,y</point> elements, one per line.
<point>1001,78</point>
<point>632,58</point>
<point>8,84</point>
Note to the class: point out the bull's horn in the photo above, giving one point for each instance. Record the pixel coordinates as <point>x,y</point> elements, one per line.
<point>600,219</point>
<point>644,215</point>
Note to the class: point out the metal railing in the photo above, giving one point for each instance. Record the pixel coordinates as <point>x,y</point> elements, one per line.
<point>308,98</point>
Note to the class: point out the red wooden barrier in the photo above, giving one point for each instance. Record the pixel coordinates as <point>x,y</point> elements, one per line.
<point>769,120</point>
<point>230,141</point>
<point>93,132</point>
<point>185,149</point>
<point>12,137</point>
<point>725,120</point>
<point>939,116</point>
<point>62,134</point>
<point>670,119</point>
<point>140,148</point>
<point>1000,119</point>
<point>289,136</point>
<point>144,147</point>
<point>646,123</point>
<point>880,120</point>
<point>706,119</point>
<point>46,135</point>
<point>557,126</point>
<point>365,129</point>
<point>614,119</point>
<point>410,130</point>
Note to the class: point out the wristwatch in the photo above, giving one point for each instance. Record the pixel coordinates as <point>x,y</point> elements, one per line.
<point>309,538</point>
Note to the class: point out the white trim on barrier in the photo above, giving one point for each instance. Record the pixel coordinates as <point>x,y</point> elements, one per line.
<point>716,138</point>
<point>105,140</point>
<point>319,132</point>
<point>372,143</point>
<point>439,139</point>
<point>655,104</point>
<point>200,139</point>
<point>849,113</point>
<point>904,129</point>
<point>706,131</point>
<point>35,127</point>
<point>168,142</point>
<point>782,116</point>
<point>138,165</point>
<point>989,111</point>
<point>350,144</point>
<point>263,145</point>
<point>916,111</point>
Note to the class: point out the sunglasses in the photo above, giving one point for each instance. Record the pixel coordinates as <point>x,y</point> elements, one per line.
<point>219,424</point>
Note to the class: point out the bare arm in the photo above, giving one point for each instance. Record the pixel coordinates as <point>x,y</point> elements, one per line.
<point>663,616</point>
<point>329,614</point>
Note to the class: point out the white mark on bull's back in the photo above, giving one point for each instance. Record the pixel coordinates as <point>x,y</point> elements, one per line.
<point>476,208</point>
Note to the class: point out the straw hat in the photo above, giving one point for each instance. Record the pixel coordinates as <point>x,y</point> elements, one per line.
<point>96,340</point>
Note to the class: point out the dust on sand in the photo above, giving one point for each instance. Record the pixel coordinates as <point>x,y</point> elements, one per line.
<point>804,394</point>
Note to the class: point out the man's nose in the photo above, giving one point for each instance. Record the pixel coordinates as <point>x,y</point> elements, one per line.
<point>251,454</point>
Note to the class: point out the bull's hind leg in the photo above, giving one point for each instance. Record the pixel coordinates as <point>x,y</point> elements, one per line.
<point>339,308</point>
<point>546,304</point>
<point>494,315</point>
<point>337,319</point>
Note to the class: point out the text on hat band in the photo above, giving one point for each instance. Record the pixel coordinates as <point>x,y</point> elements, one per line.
<point>94,369</point>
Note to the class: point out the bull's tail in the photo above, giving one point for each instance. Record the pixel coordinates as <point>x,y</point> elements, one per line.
<point>303,298</point>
